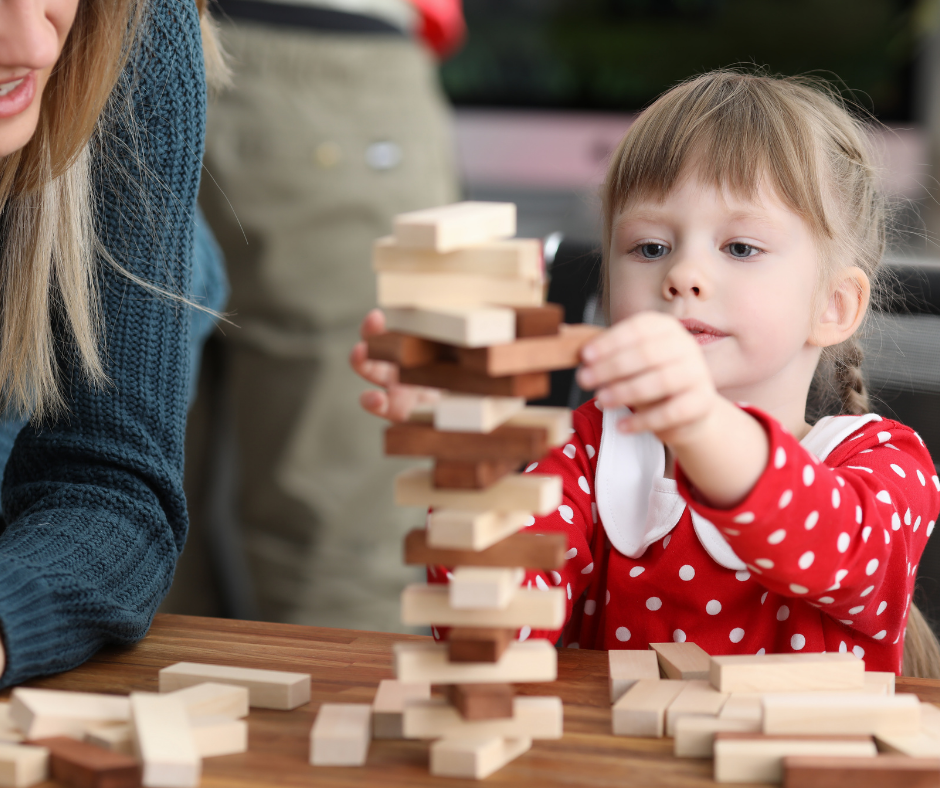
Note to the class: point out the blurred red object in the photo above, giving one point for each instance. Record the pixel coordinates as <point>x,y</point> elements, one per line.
<point>442,25</point>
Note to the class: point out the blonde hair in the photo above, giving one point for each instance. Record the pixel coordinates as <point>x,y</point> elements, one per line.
<point>736,129</point>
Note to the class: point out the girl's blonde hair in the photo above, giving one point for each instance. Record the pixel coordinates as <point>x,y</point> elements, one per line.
<point>736,130</point>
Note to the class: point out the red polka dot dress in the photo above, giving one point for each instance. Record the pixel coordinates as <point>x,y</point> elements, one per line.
<point>820,556</point>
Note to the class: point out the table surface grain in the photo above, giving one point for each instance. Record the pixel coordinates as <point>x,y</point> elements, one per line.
<point>346,667</point>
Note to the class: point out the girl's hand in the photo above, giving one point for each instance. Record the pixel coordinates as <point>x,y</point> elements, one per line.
<point>397,401</point>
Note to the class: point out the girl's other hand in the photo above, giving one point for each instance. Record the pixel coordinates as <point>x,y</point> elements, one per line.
<point>395,401</point>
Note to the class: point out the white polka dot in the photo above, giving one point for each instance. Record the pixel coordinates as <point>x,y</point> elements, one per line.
<point>761,652</point>
<point>826,600</point>
<point>856,610</point>
<point>566,512</point>
<point>744,518</point>
<point>637,571</point>
<point>920,478</point>
<point>880,635</point>
<point>841,481</point>
<point>532,467</point>
<point>765,563</point>
<point>867,591</point>
<point>895,521</point>
<point>574,645</point>
<point>861,468</point>
<point>607,602</point>
<point>840,575</point>
<point>450,575</point>
<point>742,575</point>
<point>797,642</point>
<point>556,578</point>
<point>785,499</point>
<point>881,608</point>
<point>898,470</point>
<point>542,585</point>
<point>713,608</point>
<point>858,514</point>
<point>780,458</point>
<point>847,622</point>
<point>589,607</point>
<point>866,532</point>
<point>435,633</point>
<point>583,484</point>
<point>654,603</point>
<point>776,537</point>
<point>907,517</point>
<point>594,512</point>
<point>736,635</point>
<point>570,450</point>
<point>572,553</point>
<point>929,528</point>
<point>808,475</point>
<point>842,543</point>
<point>678,636</point>
<point>754,569</point>
<point>568,589</point>
<point>530,521</point>
<point>798,589</point>
<point>590,451</point>
<point>858,651</point>
<point>884,436</point>
<point>524,633</point>
<point>806,560</point>
<point>783,613</point>
<point>686,572</point>
<point>598,405</point>
<point>623,634</point>
<point>887,536</point>
<point>917,523</point>
<point>811,520</point>
<point>871,567</point>
<point>842,648</point>
<point>731,532</point>
<point>884,496</point>
<point>588,569</point>
<point>835,498</point>
<point>763,597</point>
<point>936,481</point>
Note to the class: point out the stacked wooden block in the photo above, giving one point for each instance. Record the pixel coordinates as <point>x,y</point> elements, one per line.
<point>803,719</point>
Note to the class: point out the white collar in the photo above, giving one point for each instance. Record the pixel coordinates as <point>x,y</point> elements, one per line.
<point>637,506</point>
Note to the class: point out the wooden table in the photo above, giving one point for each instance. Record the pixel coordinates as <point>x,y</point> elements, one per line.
<point>346,666</point>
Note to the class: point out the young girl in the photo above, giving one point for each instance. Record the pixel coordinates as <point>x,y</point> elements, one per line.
<point>743,223</point>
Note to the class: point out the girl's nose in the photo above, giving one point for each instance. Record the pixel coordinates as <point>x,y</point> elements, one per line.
<point>686,278</point>
<point>28,39</point>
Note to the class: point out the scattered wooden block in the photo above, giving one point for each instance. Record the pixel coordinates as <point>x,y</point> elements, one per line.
<point>529,492</point>
<point>23,765</point>
<point>389,704</point>
<point>267,689</point>
<point>532,717</point>
<point>405,350</point>
<point>513,258</point>
<point>641,711</point>
<point>484,587</point>
<point>697,699</point>
<point>461,530</point>
<point>539,321</point>
<point>481,701</point>
<point>9,732</point>
<point>340,736</point>
<point>913,745</point>
<point>787,672</point>
<point>529,661</point>
<point>535,354</point>
<point>429,605</point>
<point>474,759</point>
<point>117,738</point>
<point>695,736</point>
<point>808,771</point>
<point>686,661</point>
<point>211,700</point>
<point>468,413</point>
<point>843,713</point>
<point>752,757</point>
<point>84,765</point>
<point>41,713</point>
<point>164,742</point>
<point>882,680</point>
<point>219,735</point>
<point>454,377</point>
<point>477,644</point>
<point>539,551</point>
<point>930,719</point>
<point>457,475</point>
<point>450,227</point>
<point>627,667</point>
<point>443,289</point>
<point>743,706</point>
<point>517,444</point>
<point>456,325</point>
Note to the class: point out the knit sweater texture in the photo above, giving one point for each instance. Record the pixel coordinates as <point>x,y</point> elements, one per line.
<point>94,504</point>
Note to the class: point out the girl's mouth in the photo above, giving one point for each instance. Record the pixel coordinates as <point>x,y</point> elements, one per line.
<point>17,94</point>
<point>703,333</point>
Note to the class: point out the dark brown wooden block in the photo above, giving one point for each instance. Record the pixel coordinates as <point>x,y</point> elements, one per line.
<point>405,350</point>
<point>459,475</point>
<point>83,765</point>
<point>477,644</point>
<point>516,444</point>
<point>454,377</point>
<point>535,550</point>
<point>896,771</point>
<point>530,355</point>
<point>481,701</point>
<point>538,321</point>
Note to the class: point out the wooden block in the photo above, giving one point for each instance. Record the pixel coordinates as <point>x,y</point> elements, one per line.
<point>474,759</point>
<point>219,735</point>
<point>434,290</point>
<point>627,667</point>
<point>686,661</point>
<point>557,421</point>
<point>481,701</point>
<point>477,644</point>
<point>405,350</point>
<point>340,736</point>
<point>506,443</point>
<point>897,771</point>
<point>457,475</point>
<point>539,551</point>
<point>461,530</point>
<point>23,765</point>
<point>117,738</point>
<point>9,732</point>
<point>825,713</point>
<point>532,717</point>
<point>468,413</point>
<point>84,765</point>
<point>451,227</point>
<point>695,736</point>
<point>456,325</point>
<point>429,605</point>
<point>535,354</point>
<point>529,492</point>
<point>41,713</point>
<point>484,587</point>
<point>529,661</point>
<point>752,757</point>
<point>513,258</point>
<point>881,679</point>
<point>389,703</point>
<point>743,706</point>
<point>930,719</point>
<point>163,741</point>
<point>697,699</point>
<point>267,689</point>
<point>641,711</point>
<point>453,377</point>
<point>913,745</point>
<point>539,321</point>
<point>787,672</point>
<point>211,700</point>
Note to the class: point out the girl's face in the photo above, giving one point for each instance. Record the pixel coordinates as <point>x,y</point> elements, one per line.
<point>740,275</point>
<point>32,33</point>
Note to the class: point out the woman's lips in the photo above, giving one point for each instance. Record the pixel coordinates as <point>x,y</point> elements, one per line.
<point>17,94</point>
<point>703,333</point>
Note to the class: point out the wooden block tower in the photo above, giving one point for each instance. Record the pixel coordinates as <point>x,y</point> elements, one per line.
<point>465,313</point>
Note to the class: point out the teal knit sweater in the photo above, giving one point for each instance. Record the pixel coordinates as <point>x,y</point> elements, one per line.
<point>94,504</point>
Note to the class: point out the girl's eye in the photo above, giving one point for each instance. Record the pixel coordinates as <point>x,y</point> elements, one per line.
<point>652,251</point>
<point>742,250</point>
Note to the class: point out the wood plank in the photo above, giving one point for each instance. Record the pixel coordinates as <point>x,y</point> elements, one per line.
<point>627,667</point>
<point>533,717</point>
<point>743,706</point>
<point>697,699</point>
<point>477,644</point>
<point>685,661</point>
<point>164,742</point>
<point>825,713</point>
<point>481,701</point>
<point>534,550</point>
<point>787,672</point>
<point>806,771</point>
<point>218,734</point>
<point>474,759</point>
<point>389,704</point>
<point>529,492</point>
<point>417,290</point>
<point>641,711</point>
<point>509,443</point>
<point>481,475</point>
<point>695,736</point>
<point>456,325</point>
<point>78,763</point>
<point>451,227</point>
<point>429,605</point>
<point>531,661</point>
<point>469,413</point>
<point>341,734</point>
<point>9,732</point>
<point>453,377</point>
<point>267,689</point>
<point>405,350</point>
<point>883,679</point>
<point>484,587</point>
<point>556,420</point>
<point>42,713</point>
<point>461,530</point>
<point>210,699</point>
<point>512,258</point>
<point>534,354</point>
<point>539,321</point>
<point>23,765</point>
<point>912,745</point>
<point>117,738</point>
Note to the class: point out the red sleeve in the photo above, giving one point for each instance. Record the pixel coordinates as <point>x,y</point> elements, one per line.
<point>442,25</point>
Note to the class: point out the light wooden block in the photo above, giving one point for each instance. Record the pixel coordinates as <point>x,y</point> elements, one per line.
<point>642,709</point>
<point>787,672</point>
<point>529,492</point>
<point>697,699</point>
<point>116,738</point>
<point>436,290</point>
<point>212,700</point>
<point>529,661</point>
<point>267,689</point>
<point>695,736</point>
<point>538,550</point>
<point>463,326</point>
<point>389,704</point>
<point>341,734</point>
<point>930,719</point>
<point>684,661</point>
<point>219,735</point>
<point>743,706</point>
<point>533,717</point>
<point>746,757</point>
<point>429,605</point>
<point>462,530</point>
<point>163,741</point>
<point>474,759</point>
<point>807,771</point>
<point>627,667</point>
<point>484,587</point>
<point>535,354</point>
<point>9,732</point>
<point>41,713</point>
<point>451,227</point>
<point>882,680</point>
<point>842,713</point>
<point>469,413</point>
<point>513,258</point>
<point>913,745</point>
<point>557,421</point>
<point>23,765</point>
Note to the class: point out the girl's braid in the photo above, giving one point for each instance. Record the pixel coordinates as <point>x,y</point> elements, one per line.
<point>848,373</point>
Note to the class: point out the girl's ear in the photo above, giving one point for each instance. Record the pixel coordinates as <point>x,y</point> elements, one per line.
<point>849,294</point>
